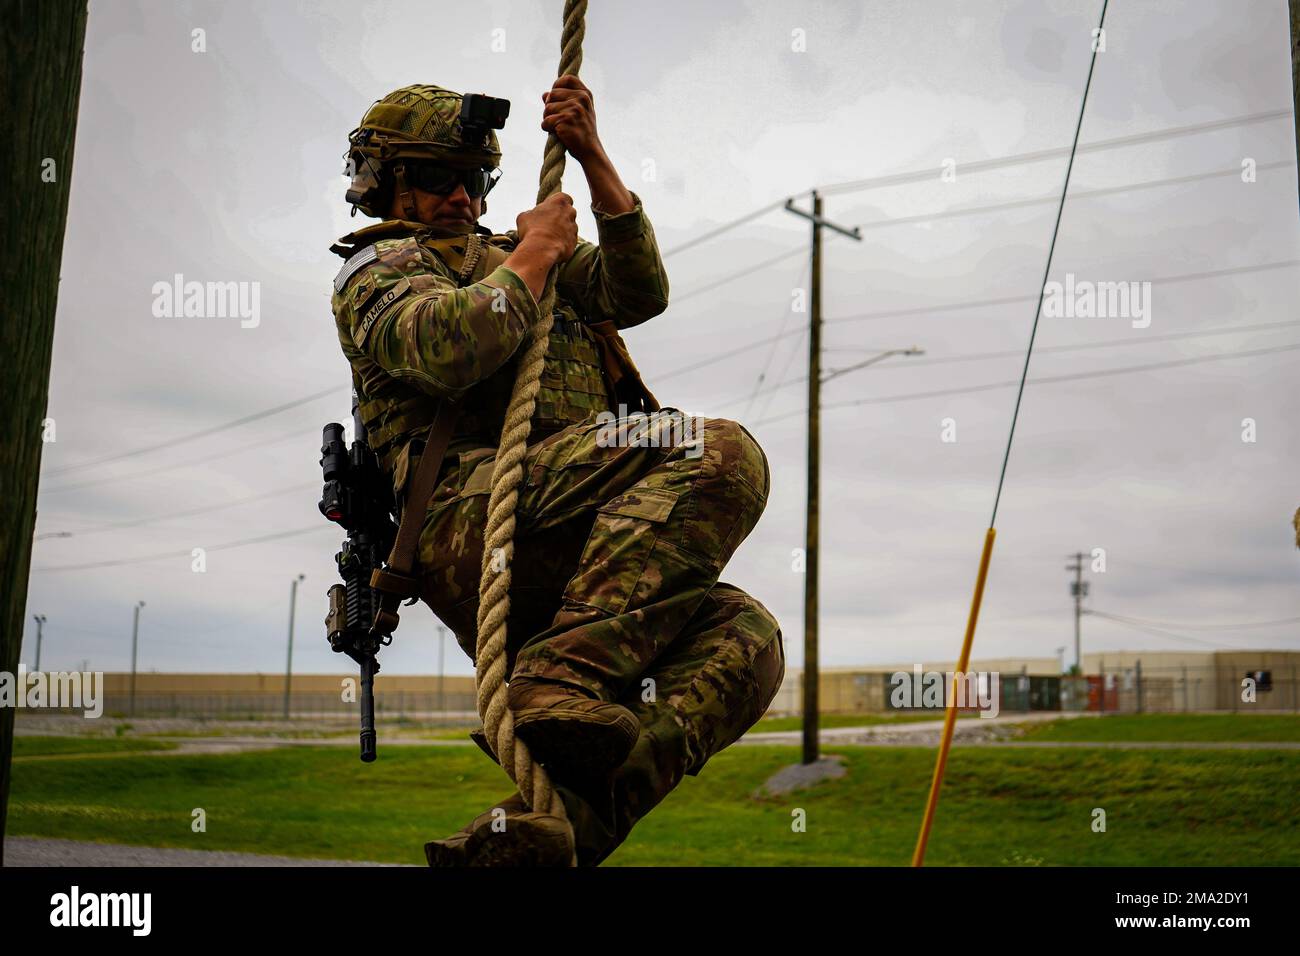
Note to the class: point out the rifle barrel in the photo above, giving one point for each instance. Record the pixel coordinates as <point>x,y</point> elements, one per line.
<point>368,709</point>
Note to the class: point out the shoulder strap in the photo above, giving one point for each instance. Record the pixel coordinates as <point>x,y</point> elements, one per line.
<point>625,382</point>
<point>397,578</point>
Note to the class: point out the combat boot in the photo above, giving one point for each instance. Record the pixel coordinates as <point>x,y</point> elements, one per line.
<point>569,731</point>
<point>514,837</point>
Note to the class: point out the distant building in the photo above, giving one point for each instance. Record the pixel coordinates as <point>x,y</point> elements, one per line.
<point>1113,681</point>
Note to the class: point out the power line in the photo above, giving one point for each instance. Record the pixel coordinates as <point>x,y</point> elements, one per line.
<point>789,360</point>
<point>193,436</point>
<point>785,317</point>
<point>1151,630</point>
<point>187,552</point>
<point>1077,194</point>
<point>725,227</point>
<point>977,166</point>
<point>204,460</point>
<point>1234,626</point>
<point>979,304</point>
<point>1035,156</point>
<point>137,522</point>
<point>1016,353</point>
<point>1013,300</point>
<point>973,210</point>
<point>714,359</point>
<point>1044,380</point>
<point>739,274</point>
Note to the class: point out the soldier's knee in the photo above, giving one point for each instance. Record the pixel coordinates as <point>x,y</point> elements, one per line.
<point>738,455</point>
<point>733,691</point>
<point>767,666</point>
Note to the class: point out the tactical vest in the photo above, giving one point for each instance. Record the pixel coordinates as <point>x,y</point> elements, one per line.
<point>585,373</point>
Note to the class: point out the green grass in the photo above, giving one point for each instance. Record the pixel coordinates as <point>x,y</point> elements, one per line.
<point>850,720</point>
<point>436,733</point>
<point>999,806</point>
<point>62,746</point>
<point>1264,728</point>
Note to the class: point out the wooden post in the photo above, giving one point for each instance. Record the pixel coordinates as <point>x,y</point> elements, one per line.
<point>811,669</point>
<point>811,665</point>
<point>1295,74</point>
<point>40,60</point>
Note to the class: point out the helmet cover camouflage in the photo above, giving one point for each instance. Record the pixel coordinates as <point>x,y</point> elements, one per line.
<point>416,123</point>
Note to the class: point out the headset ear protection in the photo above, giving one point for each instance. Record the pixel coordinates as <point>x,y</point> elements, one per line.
<point>371,191</point>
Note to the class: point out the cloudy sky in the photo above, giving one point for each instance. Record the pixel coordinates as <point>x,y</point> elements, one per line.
<point>224,165</point>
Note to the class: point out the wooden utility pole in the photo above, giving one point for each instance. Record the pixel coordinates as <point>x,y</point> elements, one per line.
<point>1295,63</point>
<point>811,669</point>
<point>40,62</point>
<point>1295,100</point>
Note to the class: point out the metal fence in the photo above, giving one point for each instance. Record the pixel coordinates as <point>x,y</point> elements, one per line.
<point>1122,690</point>
<point>452,706</point>
<point>1139,688</point>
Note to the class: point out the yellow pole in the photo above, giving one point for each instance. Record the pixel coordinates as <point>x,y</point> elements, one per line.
<point>950,718</point>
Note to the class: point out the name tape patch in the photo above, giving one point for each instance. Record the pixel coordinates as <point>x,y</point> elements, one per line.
<point>382,302</point>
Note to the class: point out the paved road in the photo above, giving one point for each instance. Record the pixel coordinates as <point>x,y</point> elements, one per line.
<point>34,851</point>
<point>920,733</point>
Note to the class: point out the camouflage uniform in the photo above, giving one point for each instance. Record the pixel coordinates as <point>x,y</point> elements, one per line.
<point>618,545</point>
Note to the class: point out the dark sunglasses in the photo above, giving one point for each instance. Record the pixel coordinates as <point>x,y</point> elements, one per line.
<point>443,180</point>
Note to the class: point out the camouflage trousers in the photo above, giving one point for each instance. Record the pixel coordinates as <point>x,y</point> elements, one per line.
<point>619,544</point>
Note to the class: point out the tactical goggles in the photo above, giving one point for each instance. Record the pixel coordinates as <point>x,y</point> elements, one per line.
<point>443,180</point>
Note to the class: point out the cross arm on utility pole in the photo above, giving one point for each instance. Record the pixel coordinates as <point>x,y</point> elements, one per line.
<point>816,219</point>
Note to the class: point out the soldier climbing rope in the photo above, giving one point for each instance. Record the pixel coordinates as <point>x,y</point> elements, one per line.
<point>498,539</point>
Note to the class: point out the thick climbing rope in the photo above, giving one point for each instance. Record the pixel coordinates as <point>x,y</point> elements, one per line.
<point>498,538</point>
<point>981,576</point>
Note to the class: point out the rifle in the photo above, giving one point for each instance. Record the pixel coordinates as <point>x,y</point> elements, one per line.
<point>358,497</point>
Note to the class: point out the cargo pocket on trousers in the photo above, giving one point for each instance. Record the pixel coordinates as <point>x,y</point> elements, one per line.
<point>618,548</point>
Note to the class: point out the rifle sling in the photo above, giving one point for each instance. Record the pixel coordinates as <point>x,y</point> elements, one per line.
<point>396,579</point>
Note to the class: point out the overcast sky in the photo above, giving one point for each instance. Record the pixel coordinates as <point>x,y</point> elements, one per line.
<point>225,165</point>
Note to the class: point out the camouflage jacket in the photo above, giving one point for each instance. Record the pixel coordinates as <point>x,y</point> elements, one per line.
<point>424,314</point>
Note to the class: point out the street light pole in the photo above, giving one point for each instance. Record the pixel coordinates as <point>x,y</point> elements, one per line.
<point>288,667</point>
<point>442,700</point>
<point>135,644</point>
<point>40,620</point>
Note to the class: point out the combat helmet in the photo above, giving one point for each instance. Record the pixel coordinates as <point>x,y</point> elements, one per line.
<point>416,130</point>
